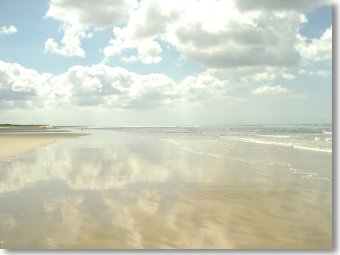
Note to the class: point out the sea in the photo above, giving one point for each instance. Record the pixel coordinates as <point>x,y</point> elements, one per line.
<point>189,187</point>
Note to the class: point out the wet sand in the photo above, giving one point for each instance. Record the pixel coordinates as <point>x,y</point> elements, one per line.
<point>117,190</point>
<point>14,144</point>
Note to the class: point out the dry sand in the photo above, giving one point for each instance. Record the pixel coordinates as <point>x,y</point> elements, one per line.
<point>13,144</point>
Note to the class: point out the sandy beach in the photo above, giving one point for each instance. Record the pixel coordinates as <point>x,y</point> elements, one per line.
<point>13,144</point>
<point>168,188</point>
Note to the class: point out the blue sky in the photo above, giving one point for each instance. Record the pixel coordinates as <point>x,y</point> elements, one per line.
<point>155,62</point>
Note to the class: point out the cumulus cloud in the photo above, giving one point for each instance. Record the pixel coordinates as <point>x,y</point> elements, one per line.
<point>148,52</point>
<point>300,5</point>
<point>271,90</point>
<point>215,34</point>
<point>318,49</point>
<point>321,73</point>
<point>105,87</point>
<point>198,89</point>
<point>264,76</point>
<point>86,13</point>
<point>21,87</point>
<point>78,17</point>
<point>7,30</point>
<point>101,85</point>
<point>250,76</point>
<point>70,44</point>
<point>244,40</point>
<point>150,20</point>
<point>287,76</point>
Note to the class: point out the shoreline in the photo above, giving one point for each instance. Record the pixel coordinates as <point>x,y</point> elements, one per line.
<point>15,144</point>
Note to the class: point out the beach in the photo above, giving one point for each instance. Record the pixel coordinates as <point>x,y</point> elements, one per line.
<point>13,144</point>
<point>210,187</point>
<point>15,140</point>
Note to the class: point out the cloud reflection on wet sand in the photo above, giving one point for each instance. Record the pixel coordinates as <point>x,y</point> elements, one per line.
<point>118,194</point>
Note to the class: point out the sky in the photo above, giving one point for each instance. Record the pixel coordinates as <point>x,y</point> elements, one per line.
<point>161,63</point>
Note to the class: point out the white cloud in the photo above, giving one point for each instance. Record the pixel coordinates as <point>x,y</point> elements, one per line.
<point>7,30</point>
<point>318,49</point>
<point>271,90</point>
<point>105,87</point>
<point>300,5</point>
<point>264,76</point>
<point>78,17</point>
<point>148,52</point>
<point>288,76</point>
<point>70,44</point>
<point>86,13</point>
<point>215,34</point>
<point>22,87</point>
<point>150,20</point>
<point>321,73</point>
<point>249,76</point>
<point>101,85</point>
<point>198,89</point>
<point>245,39</point>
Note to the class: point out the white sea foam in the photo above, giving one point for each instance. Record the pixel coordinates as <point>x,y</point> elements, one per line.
<point>275,136</point>
<point>251,140</point>
<point>172,141</point>
<point>312,149</point>
<point>284,144</point>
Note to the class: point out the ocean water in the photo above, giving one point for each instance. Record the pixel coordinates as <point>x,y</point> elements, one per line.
<point>230,187</point>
